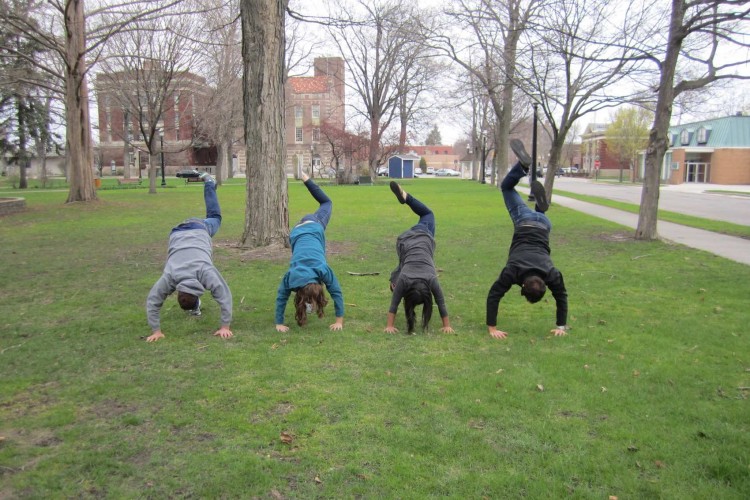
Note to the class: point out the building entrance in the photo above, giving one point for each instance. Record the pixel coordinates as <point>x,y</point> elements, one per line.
<point>697,172</point>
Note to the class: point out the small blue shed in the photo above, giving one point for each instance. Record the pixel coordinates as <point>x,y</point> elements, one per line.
<point>401,166</point>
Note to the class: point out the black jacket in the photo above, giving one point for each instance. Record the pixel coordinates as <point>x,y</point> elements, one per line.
<point>529,255</point>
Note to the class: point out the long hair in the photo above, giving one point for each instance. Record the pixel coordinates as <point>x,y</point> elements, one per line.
<point>417,292</point>
<point>313,294</point>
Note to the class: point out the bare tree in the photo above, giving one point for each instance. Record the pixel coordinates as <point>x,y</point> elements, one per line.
<point>711,37</point>
<point>146,71</point>
<point>263,49</point>
<point>484,42</point>
<point>574,60</point>
<point>374,52</point>
<point>221,50</point>
<point>77,36</point>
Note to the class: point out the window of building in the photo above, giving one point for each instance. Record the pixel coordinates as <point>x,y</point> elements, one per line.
<point>702,135</point>
<point>298,111</point>
<point>316,135</point>
<point>685,136</point>
<point>316,115</point>
<point>298,135</point>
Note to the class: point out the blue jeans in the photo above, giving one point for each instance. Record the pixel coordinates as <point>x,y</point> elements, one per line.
<point>426,217</point>
<point>323,214</point>
<point>212,222</point>
<point>517,208</point>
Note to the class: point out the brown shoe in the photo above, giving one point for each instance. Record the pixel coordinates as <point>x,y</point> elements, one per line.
<point>540,196</point>
<point>517,146</point>
<point>398,192</point>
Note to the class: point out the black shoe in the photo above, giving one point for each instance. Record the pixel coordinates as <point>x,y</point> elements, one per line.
<point>397,191</point>
<point>537,189</point>
<point>517,146</point>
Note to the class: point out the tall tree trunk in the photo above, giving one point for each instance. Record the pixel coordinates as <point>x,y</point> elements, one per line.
<point>263,46</point>
<point>153,161</point>
<point>228,158</point>
<point>657,139</point>
<point>23,156</point>
<point>77,119</point>
<point>374,149</point>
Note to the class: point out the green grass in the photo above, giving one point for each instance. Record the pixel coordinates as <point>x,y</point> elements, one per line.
<point>646,398</point>
<point>665,215</point>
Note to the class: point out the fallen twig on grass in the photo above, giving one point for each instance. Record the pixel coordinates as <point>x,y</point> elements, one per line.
<point>363,274</point>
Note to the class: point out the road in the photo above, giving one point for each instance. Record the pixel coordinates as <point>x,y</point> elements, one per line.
<point>689,199</point>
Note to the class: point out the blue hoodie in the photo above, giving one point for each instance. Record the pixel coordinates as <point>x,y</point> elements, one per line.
<point>308,265</point>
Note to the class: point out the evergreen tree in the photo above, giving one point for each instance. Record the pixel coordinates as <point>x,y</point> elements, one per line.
<point>433,138</point>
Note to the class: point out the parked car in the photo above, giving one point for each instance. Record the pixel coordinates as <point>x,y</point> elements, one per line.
<point>447,172</point>
<point>188,173</point>
<point>430,170</point>
<point>383,171</point>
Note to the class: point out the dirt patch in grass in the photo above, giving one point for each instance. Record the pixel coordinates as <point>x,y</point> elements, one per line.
<point>279,253</point>
<point>617,237</point>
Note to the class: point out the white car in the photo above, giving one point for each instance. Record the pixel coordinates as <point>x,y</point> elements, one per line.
<point>447,172</point>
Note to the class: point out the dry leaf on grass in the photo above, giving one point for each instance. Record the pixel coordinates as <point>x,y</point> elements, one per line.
<point>286,437</point>
<point>540,387</point>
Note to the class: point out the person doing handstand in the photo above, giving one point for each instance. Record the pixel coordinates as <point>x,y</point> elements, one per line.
<point>190,269</point>
<point>308,269</point>
<point>415,278</point>
<point>529,264</point>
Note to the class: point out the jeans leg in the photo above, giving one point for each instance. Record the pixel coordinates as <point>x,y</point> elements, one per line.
<point>323,213</point>
<point>213,210</point>
<point>426,217</point>
<point>517,208</point>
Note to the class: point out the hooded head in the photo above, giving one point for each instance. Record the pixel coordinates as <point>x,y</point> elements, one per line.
<point>188,292</point>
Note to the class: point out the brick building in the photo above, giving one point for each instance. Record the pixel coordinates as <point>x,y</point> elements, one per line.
<point>713,151</point>
<point>594,152</point>
<point>311,103</point>
<point>120,137</point>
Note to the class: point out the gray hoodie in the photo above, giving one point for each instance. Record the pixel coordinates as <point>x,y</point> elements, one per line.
<point>190,269</point>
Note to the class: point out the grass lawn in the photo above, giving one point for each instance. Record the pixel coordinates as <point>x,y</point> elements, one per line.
<point>647,397</point>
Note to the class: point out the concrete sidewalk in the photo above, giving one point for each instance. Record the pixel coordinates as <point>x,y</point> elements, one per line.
<point>730,247</point>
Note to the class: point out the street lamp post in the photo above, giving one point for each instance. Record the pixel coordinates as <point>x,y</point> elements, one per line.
<point>161,141</point>
<point>484,159</point>
<point>312,164</point>
<point>533,150</point>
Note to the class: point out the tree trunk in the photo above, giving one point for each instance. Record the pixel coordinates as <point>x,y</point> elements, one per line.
<point>77,119</point>
<point>229,160</point>
<point>657,138</point>
<point>555,153</point>
<point>153,161</point>
<point>23,156</point>
<point>263,46</point>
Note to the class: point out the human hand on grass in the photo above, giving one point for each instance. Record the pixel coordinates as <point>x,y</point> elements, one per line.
<point>223,332</point>
<point>390,329</point>
<point>338,325</point>
<point>559,332</point>
<point>495,333</point>
<point>156,335</point>
<point>282,328</point>
<point>447,328</point>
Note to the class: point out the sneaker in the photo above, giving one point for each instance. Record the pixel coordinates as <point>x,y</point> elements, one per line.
<point>398,192</point>
<point>205,177</point>
<point>517,146</point>
<point>197,310</point>
<point>537,189</point>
